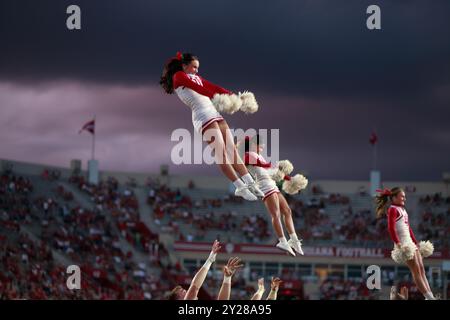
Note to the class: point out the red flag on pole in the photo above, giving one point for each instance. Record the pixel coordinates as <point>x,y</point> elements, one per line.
<point>89,126</point>
<point>373,138</point>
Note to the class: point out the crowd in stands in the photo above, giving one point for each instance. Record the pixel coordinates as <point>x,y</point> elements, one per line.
<point>91,237</point>
<point>171,209</point>
<point>50,175</point>
<point>435,200</point>
<point>15,207</point>
<point>435,220</point>
<point>357,228</point>
<point>85,237</point>
<point>123,206</point>
<point>340,289</point>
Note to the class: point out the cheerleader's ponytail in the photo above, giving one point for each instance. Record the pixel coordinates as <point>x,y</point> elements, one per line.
<point>383,198</point>
<point>172,66</point>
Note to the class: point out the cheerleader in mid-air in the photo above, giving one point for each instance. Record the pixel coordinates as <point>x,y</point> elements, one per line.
<point>180,75</point>
<point>267,175</point>
<point>406,249</point>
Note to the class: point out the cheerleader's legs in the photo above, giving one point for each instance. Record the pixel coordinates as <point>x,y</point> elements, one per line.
<point>272,205</point>
<point>222,159</point>
<point>237,163</point>
<point>423,274</point>
<point>414,267</point>
<point>287,213</point>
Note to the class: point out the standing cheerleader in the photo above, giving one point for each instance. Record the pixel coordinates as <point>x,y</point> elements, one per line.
<point>406,249</point>
<point>266,176</point>
<point>180,75</point>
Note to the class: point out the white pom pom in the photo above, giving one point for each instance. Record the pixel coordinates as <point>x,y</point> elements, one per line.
<point>297,183</point>
<point>276,174</point>
<point>426,248</point>
<point>285,166</point>
<point>249,104</point>
<point>236,104</point>
<point>226,103</point>
<point>403,253</point>
<point>221,102</point>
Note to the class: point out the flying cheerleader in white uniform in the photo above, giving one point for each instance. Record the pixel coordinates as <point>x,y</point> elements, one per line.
<point>406,249</point>
<point>180,75</point>
<point>267,176</point>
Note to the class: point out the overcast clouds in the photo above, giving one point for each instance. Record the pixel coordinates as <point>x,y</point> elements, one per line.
<point>318,74</point>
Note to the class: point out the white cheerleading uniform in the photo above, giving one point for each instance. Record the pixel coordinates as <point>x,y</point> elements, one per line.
<point>398,224</point>
<point>402,235</point>
<point>203,111</point>
<point>260,170</point>
<point>196,92</point>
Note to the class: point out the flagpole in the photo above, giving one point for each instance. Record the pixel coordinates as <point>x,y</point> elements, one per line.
<point>93,142</point>
<point>375,156</point>
<point>375,147</point>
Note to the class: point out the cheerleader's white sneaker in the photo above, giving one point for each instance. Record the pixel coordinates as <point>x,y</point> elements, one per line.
<point>285,247</point>
<point>245,193</point>
<point>296,245</point>
<point>255,190</point>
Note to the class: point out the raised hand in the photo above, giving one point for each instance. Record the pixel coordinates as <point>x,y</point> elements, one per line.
<point>216,247</point>
<point>275,284</point>
<point>232,266</point>
<point>261,284</point>
<point>403,295</point>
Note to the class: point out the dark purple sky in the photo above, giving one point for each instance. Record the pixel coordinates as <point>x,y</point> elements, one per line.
<point>318,74</point>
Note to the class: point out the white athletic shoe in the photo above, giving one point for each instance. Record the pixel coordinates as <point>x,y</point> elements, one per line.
<point>255,190</point>
<point>285,247</point>
<point>245,193</point>
<point>296,245</point>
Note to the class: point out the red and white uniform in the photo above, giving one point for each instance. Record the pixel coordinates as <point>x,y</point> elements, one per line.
<point>196,92</point>
<point>260,169</point>
<point>398,226</point>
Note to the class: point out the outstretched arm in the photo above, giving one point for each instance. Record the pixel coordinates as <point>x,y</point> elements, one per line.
<point>274,286</point>
<point>180,79</point>
<point>200,276</point>
<point>259,293</point>
<point>213,87</point>
<point>228,272</point>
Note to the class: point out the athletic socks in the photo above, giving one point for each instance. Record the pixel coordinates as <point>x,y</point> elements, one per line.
<point>239,184</point>
<point>282,239</point>
<point>293,236</point>
<point>247,178</point>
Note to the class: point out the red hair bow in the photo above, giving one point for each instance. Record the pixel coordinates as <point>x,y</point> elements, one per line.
<point>385,192</point>
<point>247,138</point>
<point>179,55</point>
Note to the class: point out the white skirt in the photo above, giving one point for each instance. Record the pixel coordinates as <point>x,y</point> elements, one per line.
<point>203,111</point>
<point>201,118</point>
<point>268,187</point>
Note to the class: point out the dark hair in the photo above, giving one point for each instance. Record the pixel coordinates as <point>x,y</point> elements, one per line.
<point>172,66</point>
<point>382,200</point>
